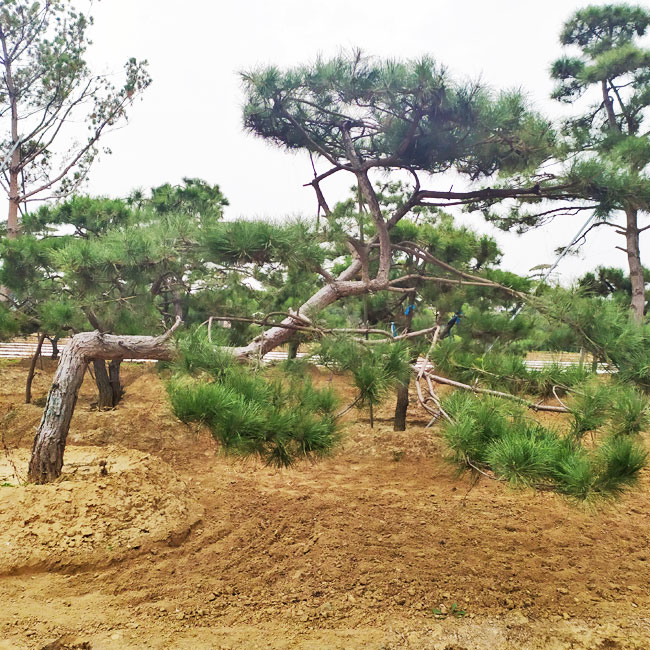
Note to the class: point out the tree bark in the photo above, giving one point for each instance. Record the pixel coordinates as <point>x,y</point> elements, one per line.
<point>116,382</point>
<point>637,303</point>
<point>32,369</point>
<point>55,347</point>
<point>109,386</point>
<point>276,336</point>
<point>401,407</point>
<point>104,388</point>
<point>49,443</point>
<point>292,351</point>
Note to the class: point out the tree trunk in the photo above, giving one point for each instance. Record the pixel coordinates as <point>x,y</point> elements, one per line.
<point>12,219</point>
<point>116,382</point>
<point>55,347</point>
<point>104,388</point>
<point>276,336</point>
<point>401,407</point>
<point>13,225</point>
<point>32,369</point>
<point>49,442</point>
<point>292,352</point>
<point>637,303</point>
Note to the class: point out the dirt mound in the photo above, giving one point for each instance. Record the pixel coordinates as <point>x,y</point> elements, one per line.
<point>88,517</point>
<point>352,552</point>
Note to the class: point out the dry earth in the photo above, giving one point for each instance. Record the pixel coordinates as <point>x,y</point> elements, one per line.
<point>179,547</point>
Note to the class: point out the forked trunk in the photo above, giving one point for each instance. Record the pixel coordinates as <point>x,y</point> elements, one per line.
<point>109,387</point>
<point>49,443</point>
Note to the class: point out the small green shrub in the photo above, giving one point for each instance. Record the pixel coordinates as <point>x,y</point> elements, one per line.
<point>629,412</point>
<point>492,434</point>
<point>476,424</point>
<point>524,455</point>
<point>574,473</point>
<point>249,414</point>
<point>619,461</point>
<point>589,407</point>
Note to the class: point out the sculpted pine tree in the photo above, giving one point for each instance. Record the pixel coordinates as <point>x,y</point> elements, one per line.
<point>363,118</point>
<point>46,90</point>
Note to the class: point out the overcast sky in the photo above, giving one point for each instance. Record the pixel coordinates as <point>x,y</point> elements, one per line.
<point>189,121</point>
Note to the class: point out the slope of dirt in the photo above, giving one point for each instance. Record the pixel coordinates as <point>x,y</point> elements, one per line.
<point>94,515</point>
<point>353,551</point>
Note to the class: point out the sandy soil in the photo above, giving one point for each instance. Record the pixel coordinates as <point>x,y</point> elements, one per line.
<point>180,547</point>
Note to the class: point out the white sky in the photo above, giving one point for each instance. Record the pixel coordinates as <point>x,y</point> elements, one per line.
<point>189,121</point>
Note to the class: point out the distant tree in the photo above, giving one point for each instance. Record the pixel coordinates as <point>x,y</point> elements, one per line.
<point>610,281</point>
<point>46,89</point>
<point>612,64</point>
<point>605,149</point>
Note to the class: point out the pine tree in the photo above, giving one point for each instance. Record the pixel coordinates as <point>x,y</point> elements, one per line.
<point>603,153</point>
<point>46,87</point>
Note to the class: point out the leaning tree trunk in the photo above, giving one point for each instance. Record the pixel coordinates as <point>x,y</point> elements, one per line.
<point>634,262</point>
<point>32,368</point>
<point>49,442</point>
<point>276,336</point>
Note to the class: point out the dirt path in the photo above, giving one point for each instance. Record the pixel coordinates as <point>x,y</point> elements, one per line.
<point>354,551</point>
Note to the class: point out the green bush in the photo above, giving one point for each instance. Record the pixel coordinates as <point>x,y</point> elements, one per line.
<point>250,414</point>
<point>629,412</point>
<point>589,407</point>
<point>573,473</point>
<point>619,462</point>
<point>476,424</point>
<point>492,434</point>
<point>525,454</point>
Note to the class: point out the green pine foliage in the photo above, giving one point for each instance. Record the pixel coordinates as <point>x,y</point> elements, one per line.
<point>505,371</point>
<point>602,327</point>
<point>278,419</point>
<point>462,124</point>
<point>589,407</point>
<point>630,411</point>
<point>375,368</point>
<point>490,434</point>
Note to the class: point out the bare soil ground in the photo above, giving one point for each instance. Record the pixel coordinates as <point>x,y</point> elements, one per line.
<point>178,546</point>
